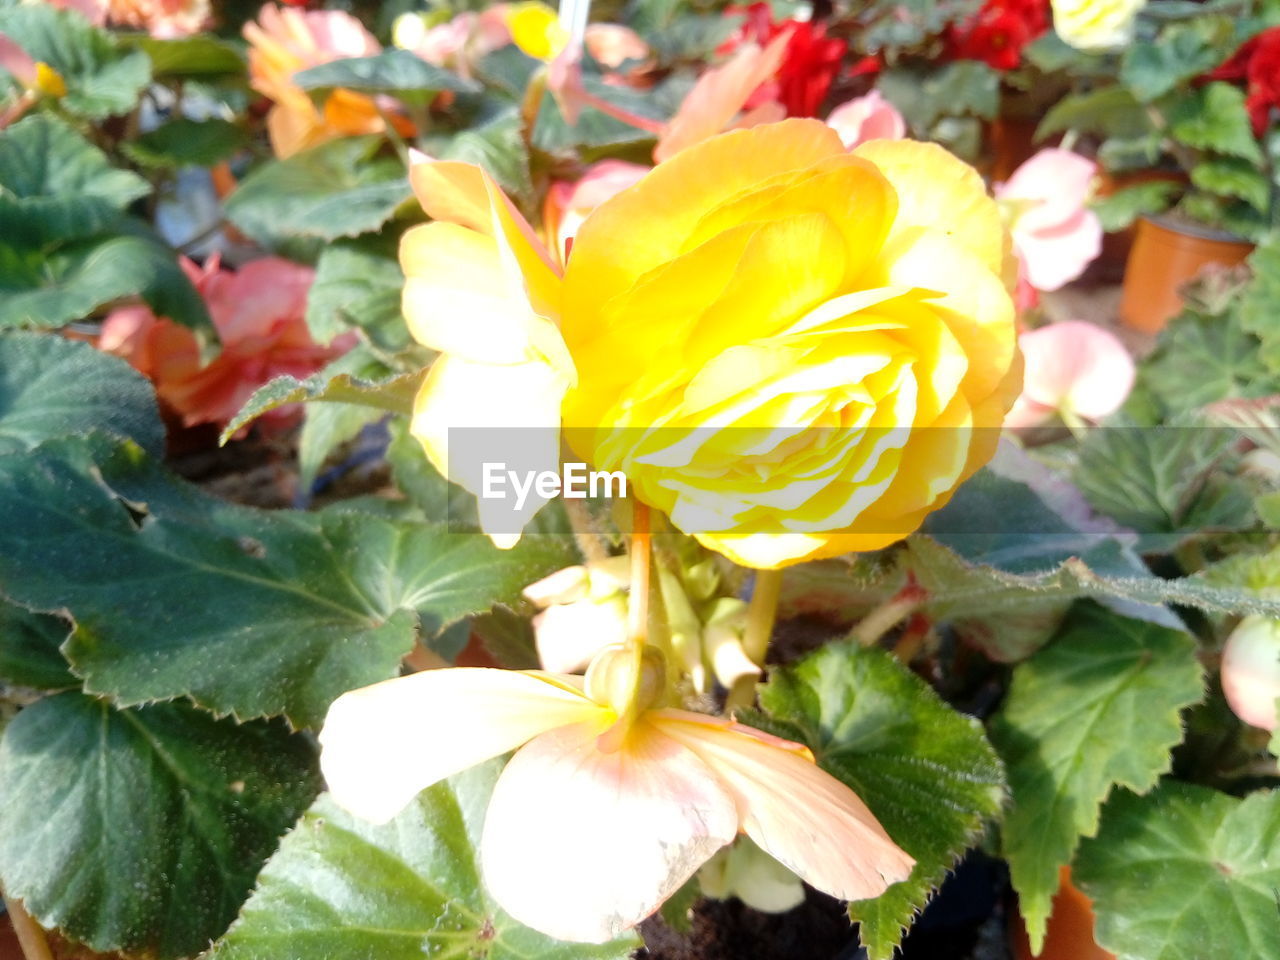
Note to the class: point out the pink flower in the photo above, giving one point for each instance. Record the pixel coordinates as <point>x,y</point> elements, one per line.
<point>1054,233</point>
<point>164,19</point>
<point>258,311</point>
<point>569,204</point>
<point>95,11</point>
<point>869,117</point>
<point>458,43</point>
<point>1073,369</point>
<point>1251,671</point>
<point>611,44</point>
<point>609,804</point>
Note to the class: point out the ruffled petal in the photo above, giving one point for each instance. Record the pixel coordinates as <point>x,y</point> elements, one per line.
<point>582,845</point>
<point>795,811</point>
<point>382,744</point>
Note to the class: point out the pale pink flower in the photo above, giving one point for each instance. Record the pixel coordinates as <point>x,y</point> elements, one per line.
<point>611,44</point>
<point>95,11</point>
<point>646,801</point>
<point>459,42</point>
<point>164,19</point>
<point>1074,369</point>
<point>259,313</point>
<point>869,117</point>
<point>1251,671</point>
<point>1055,234</point>
<point>569,204</point>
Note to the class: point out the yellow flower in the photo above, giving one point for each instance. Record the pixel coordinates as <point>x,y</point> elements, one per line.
<point>791,350</point>
<point>1095,24</point>
<point>536,29</point>
<point>588,830</point>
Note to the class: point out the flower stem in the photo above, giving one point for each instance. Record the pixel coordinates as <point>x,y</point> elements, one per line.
<point>761,614</point>
<point>888,615</point>
<point>30,935</point>
<point>638,604</point>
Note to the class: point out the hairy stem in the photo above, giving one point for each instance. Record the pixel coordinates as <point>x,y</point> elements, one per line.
<point>30,934</point>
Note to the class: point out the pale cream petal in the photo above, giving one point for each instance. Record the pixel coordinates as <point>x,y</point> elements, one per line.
<point>583,845</point>
<point>797,813</point>
<point>382,744</point>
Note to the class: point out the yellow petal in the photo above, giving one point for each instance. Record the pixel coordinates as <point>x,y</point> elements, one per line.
<point>796,812</point>
<point>536,30</point>
<point>583,845</point>
<point>507,416</point>
<point>646,225</point>
<point>937,189</point>
<point>382,744</point>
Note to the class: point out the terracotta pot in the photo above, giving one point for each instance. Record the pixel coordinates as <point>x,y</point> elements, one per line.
<point>1165,256</point>
<point>1070,932</point>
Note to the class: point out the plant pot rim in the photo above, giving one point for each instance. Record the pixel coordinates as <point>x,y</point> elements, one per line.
<point>1192,228</point>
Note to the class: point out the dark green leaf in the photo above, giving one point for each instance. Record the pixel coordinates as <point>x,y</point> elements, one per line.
<point>327,426</point>
<point>201,56</point>
<point>1233,177</point>
<point>393,395</point>
<point>926,772</point>
<point>499,147</point>
<point>1185,873</point>
<point>250,612</point>
<point>417,884</point>
<point>55,185</point>
<point>102,79</point>
<point>1258,314</point>
<point>50,386</point>
<point>1120,209</point>
<point>357,286</point>
<point>39,289</point>
<point>1152,68</point>
<point>1097,707</point>
<point>1214,117</point>
<point>1108,111</point>
<point>187,143</point>
<point>142,830</point>
<point>339,189</point>
<point>398,72</point>
<point>29,645</point>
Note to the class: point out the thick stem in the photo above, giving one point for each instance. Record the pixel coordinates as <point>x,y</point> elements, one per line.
<point>761,614</point>
<point>638,603</point>
<point>888,615</point>
<point>30,935</point>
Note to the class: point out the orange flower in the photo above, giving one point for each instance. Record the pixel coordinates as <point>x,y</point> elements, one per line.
<point>285,41</point>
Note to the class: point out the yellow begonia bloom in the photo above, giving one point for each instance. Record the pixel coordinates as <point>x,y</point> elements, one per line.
<point>536,29</point>
<point>791,350</point>
<point>644,811</point>
<point>1095,24</point>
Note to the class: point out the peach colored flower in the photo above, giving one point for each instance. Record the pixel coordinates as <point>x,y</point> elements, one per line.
<point>568,204</point>
<point>459,42</point>
<point>284,41</point>
<point>1055,234</point>
<point>259,314</point>
<point>611,44</point>
<point>647,803</point>
<point>869,117</point>
<point>95,11</point>
<point>1073,369</point>
<point>164,19</point>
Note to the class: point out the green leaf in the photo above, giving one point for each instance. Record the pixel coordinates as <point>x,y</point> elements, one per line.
<point>187,143</point>
<point>326,426</point>
<point>1109,111</point>
<point>1163,480</point>
<point>438,499</point>
<point>55,185</point>
<point>201,56</point>
<point>1213,117</point>
<point>251,612</point>
<point>960,88</point>
<point>1203,357</point>
<point>40,289</point>
<point>1152,68</point>
<point>1120,209</point>
<point>926,771</point>
<point>102,79</point>
<point>553,133</point>
<point>29,645</point>
<point>498,146</point>
<point>403,74</point>
<point>393,395</point>
<point>338,189</point>
<point>1097,707</point>
<point>1233,177</point>
<point>357,286</point>
<point>1185,873</point>
<point>142,830</point>
<point>1257,301</point>
<point>50,386</point>
<point>416,885</point>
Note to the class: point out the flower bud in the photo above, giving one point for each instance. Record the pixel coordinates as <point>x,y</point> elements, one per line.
<point>1251,671</point>
<point>722,635</point>
<point>611,680</point>
<point>745,871</point>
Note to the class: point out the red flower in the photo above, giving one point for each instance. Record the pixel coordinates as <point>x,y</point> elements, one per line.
<point>999,31</point>
<point>1257,65</point>
<point>811,63</point>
